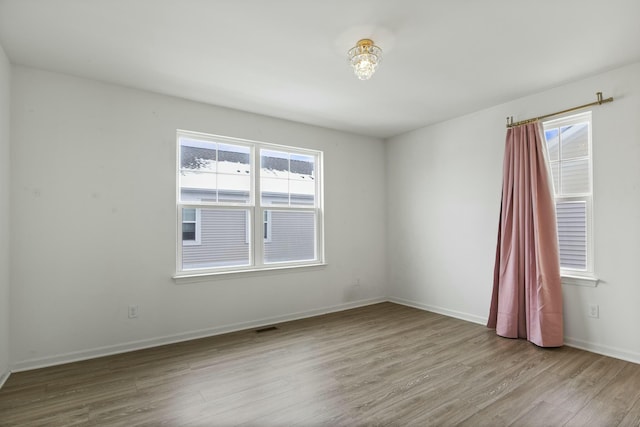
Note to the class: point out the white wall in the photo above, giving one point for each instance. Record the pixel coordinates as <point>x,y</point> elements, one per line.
<point>94,220</point>
<point>444,185</point>
<point>5,79</point>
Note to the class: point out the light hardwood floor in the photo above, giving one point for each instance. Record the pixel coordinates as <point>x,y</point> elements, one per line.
<point>383,364</point>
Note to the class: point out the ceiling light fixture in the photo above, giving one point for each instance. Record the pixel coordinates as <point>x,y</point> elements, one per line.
<point>364,58</point>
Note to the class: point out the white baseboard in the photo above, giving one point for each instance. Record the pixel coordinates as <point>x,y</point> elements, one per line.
<point>76,356</point>
<point>3,378</point>
<point>203,333</point>
<point>617,353</point>
<point>604,350</point>
<point>440,310</point>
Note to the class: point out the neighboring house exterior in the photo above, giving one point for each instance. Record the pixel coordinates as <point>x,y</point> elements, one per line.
<point>216,237</point>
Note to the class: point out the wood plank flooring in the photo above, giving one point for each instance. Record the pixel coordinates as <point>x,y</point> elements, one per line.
<point>383,364</point>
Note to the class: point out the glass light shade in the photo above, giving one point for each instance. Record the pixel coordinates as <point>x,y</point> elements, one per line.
<point>364,58</point>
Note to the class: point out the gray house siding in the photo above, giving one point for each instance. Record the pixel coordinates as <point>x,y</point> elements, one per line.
<point>292,237</point>
<point>223,240</point>
<point>224,235</point>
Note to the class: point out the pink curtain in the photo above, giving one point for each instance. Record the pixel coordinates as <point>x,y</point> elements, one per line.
<point>527,292</point>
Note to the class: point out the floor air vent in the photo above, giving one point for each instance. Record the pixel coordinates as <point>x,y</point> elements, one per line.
<point>266,329</point>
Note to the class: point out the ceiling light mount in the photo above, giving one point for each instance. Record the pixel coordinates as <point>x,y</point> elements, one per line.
<point>364,57</point>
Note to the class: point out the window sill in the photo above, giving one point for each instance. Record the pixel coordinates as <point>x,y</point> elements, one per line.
<point>591,282</point>
<point>195,277</point>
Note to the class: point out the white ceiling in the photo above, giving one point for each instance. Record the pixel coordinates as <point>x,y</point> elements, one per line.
<point>287,58</point>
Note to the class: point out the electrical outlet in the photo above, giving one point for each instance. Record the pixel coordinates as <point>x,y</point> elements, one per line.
<point>133,311</point>
<point>593,311</point>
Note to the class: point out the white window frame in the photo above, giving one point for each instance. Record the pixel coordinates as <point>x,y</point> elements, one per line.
<point>586,277</point>
<point>197,222</point>
<point>267,225</point>
<point>254,207</point>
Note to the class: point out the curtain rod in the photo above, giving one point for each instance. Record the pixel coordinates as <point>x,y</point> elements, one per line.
<point>600,101</point>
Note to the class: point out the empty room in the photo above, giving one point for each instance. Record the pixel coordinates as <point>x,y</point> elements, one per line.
<point>344,213</point>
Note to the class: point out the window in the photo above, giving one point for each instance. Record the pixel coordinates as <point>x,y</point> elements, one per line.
<point>267,226</point>
<point>245,205</point>
<point>569,148</point>
<point>266,229</point>
<point>191,226</point>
